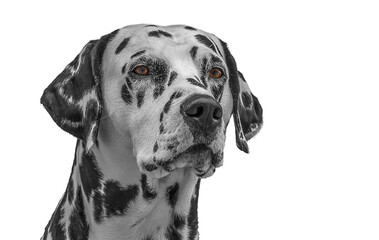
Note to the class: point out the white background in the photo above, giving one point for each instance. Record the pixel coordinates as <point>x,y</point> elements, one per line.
<point>313,171</point>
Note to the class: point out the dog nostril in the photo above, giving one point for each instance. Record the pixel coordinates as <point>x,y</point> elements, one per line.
<point>195,111</point>
<point>202,112</point>
<point>217,114</point>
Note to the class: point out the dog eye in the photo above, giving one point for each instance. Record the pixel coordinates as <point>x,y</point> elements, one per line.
<point>215,73</point>
<point>141,70</point>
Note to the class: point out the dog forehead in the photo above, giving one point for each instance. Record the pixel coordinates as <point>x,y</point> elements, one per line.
<point>177,45</point>
<point>163,41</point>
<point>177,34</point>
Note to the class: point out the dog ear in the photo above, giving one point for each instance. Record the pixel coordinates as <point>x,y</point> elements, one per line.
<point>73,99</point>
<point>247,111</point>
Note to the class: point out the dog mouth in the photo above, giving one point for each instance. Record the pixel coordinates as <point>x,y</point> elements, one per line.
<point>199,156</point>
<point>175,150</point>
<point>198,150</point>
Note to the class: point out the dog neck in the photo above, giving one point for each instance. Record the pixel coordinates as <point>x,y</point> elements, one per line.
<point>109,198</point>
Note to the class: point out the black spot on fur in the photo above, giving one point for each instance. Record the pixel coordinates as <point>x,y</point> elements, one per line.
<point>159,33</point>
<point>155,149</point>
<point>148,192</point>
<point>173,76</point>
<point>70,190</point>
<point>166,34</point>
<point>159,71</point>
<point>193,52</point>
<point>79,227</point>
<point>215,59</point>
<point>190,28</point>
<point>151,25</point>
<point>140,97</point>
<point>123,69</point>
<point>204,40</point>
<point>158,90</point>
<point>172,194</point>
<point>196,83</point>
<point>126,95</point>
<point>138,54</point>
<point>150,167</point>
<point>129,83</point>
<point>172,234</point>
<point>257,108</point>
<point>179,221</point>
<point>204,67</point>
<point>167,106</point>
<point>122,45</point>
<point>246,99</point>
<point>90,174</point>
<point>56,228</point>
<point>117,198</point>
<point>192,219</point>
<point>161,129</point>
<point>154,34</point>
<point>98,206</point>
<point>203,81</point>
<point>217,91</point>
<point>173,96</point>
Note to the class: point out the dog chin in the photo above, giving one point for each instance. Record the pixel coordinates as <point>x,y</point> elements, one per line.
<point>199,157</point>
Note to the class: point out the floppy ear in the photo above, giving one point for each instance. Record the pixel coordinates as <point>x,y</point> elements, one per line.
<point>247,111</point>
<point>73,99</point>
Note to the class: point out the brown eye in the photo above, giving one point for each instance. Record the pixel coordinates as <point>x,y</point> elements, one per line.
<point>141,70</point>
<point>215,73</point>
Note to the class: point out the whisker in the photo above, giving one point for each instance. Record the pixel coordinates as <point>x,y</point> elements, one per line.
<point>105,117</point>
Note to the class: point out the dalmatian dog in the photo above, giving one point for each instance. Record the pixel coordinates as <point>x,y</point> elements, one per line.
<point>149,106</point>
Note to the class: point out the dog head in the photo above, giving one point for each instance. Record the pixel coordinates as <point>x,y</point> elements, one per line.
<point>171,89</point>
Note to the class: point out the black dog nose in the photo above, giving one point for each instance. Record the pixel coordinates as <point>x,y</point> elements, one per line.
<point>202,111</point>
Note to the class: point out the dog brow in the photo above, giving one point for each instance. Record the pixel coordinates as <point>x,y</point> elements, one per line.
<point>204,40</point>
<point>137,54</point>
<point>215,59</point>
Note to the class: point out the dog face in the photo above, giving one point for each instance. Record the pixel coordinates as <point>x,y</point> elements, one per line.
<point>171,89</point>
